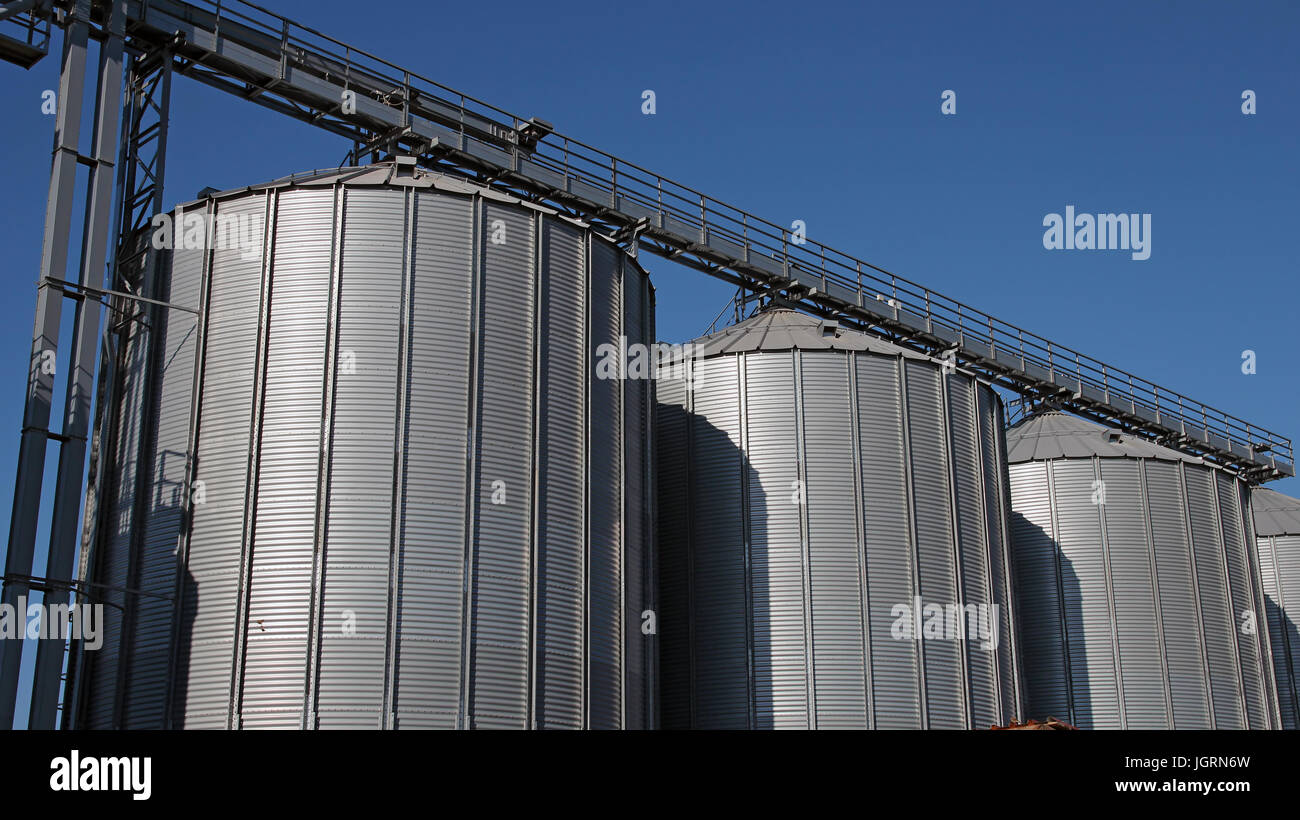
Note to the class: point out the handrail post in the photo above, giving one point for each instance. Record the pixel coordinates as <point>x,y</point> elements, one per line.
<point>284,48</point>
<point>406,100</point>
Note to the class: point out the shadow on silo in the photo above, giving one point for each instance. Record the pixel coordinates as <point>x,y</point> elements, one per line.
<point>1050,658</point>
<point>708,651</point>
<point>168,513</point>
<point>184,609</point>
<point>169,507</point>
<point>155,674</point>
<point>1284,661</point>
<point>766,711</point>
<point>124,683</point>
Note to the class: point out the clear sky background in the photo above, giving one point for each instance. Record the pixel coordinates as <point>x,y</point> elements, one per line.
<point>830,113</point>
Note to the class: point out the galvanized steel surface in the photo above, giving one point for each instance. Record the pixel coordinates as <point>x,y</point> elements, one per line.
<point>1277,526</point>
<point>1138,592</point>
<point>810,481</point>
<point>412,502</point>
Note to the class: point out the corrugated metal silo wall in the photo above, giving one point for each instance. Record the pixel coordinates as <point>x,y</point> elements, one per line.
<point>1134,610</point>
<point>778,605</point>
<point>1279,557</point>
<point>412,502</point>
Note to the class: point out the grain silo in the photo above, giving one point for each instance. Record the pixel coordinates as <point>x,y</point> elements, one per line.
<point>1277,532</point>
<point>410,501</point>
<point>1136,583</point>
<point>832,524</point>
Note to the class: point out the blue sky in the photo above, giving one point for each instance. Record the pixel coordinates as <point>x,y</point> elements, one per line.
<point>830,113</point>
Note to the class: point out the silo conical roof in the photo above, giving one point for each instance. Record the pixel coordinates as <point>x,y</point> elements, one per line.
<point>1275,514</point>
<point>778,329</point>
<point>1053,434</point>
